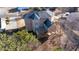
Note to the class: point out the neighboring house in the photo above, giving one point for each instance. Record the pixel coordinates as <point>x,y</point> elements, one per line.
<point>38,22</point>
<point>11,24</point>
<point>15,23</point>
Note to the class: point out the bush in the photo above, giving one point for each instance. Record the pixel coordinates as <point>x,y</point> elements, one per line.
<point>56,48</point>
<point>19,41</point>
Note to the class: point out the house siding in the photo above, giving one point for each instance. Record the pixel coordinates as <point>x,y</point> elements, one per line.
<point>35,24</point>
<point>28,24</point>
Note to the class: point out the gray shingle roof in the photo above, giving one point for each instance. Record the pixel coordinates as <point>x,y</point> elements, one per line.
<point>43,14</point>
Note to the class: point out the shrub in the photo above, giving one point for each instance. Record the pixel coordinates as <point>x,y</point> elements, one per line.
<point>19,41</point>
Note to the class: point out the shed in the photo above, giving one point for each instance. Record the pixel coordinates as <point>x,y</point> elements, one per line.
<point>37,22</point>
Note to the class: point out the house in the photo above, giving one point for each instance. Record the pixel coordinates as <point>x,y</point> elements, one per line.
<point>10,21</point>
<point>38,22</point>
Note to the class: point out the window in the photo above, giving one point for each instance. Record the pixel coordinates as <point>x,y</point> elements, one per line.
<point>47,23</point>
